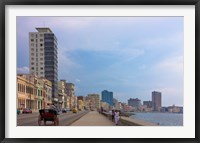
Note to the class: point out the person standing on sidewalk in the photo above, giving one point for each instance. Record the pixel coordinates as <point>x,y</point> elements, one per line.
<point>116,117</point>
<point>113,115</point>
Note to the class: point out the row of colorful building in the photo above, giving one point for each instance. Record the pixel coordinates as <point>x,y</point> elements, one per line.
<point>36,92</point>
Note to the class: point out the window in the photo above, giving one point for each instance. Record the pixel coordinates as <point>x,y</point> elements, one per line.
<point>32,54</point>
<point>41,49</point>
<point>36,50</point>
<point>41,35</point>
<point>41,54</point>
<point>32,40</point>
<point>32,49</point>
<point>32,44</point>
<point>41,63</point>
<point>32,68</point>
<point>32,58</point>
<point>41,58</point>
<point>41,68</point>
<point>32,63</point>
<point>41,45</point>
<point>41,40</point>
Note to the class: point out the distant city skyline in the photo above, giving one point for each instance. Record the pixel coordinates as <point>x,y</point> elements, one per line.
<point>130,56</point>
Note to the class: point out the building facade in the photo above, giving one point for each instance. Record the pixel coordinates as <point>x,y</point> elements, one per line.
<point>62,93</point>
<point>107,96</point>
<point>134,102</point>
<point>95,99</point>
<point>32,92</point>
<point>71,94</point>
<point>81,102</point>
<point>43,56</point>
<point>156,100</point>
<point>148,104</point>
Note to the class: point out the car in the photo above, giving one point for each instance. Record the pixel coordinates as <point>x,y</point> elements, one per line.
<point>26,110</point>
<point>64,110</point>
<point>74,110</point>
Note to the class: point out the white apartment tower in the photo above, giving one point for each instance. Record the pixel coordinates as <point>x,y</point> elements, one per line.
<point>43,56</point>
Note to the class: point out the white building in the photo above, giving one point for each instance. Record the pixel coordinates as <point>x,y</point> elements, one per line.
<point>43,56</point>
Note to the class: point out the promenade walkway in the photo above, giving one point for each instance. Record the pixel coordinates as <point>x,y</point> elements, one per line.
<point>93,118</point>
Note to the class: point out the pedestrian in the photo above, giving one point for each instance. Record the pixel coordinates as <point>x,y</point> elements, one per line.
<point>113,115</point>
<point>116,117</point>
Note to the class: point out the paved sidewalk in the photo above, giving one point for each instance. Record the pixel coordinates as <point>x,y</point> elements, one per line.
<point>93,118</point>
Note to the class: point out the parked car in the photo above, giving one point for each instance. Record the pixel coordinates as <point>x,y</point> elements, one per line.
<point>74,110</point>
<point>26,110</point>
<point>64,110</point>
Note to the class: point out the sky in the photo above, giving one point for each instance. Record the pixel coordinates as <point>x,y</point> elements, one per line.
<point>130,56</point>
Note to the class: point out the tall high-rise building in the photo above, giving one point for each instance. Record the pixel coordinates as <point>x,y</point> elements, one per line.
<point>107,97</point>
<point>156,100</point>
<point>43,56</point>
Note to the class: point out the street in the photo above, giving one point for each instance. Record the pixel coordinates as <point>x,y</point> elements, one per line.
<point>65,119</point>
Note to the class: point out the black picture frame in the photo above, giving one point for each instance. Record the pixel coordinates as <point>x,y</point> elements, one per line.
<point>3,5</point>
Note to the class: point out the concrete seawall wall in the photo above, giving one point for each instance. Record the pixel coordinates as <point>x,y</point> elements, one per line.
<point>127,121</point>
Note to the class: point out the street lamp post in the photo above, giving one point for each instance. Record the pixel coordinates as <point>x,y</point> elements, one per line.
<point>30,89</point>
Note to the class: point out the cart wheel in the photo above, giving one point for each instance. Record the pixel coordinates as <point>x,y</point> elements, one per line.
<point>45,122</point>
<point>39,120</point>
<point>56,122</point>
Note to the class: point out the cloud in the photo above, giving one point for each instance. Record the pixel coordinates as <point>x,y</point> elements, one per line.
<point>23,70</point>
<point>78,80</point>
<point>171,95</point>
<point>171,65</point>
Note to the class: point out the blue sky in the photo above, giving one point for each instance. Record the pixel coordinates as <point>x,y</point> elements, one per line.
<point>131,56</point>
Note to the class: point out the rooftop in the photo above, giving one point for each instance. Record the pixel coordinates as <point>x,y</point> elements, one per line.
<point>43,29</point>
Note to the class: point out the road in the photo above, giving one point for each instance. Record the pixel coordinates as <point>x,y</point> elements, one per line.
<point>65,119</point>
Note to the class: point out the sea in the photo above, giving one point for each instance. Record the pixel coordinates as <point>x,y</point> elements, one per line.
<point>163,119</point>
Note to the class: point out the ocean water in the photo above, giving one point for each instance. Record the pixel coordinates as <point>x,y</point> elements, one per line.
<point>164,119</point>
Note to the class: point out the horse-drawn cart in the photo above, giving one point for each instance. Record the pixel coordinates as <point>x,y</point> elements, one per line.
<point>48,115</point>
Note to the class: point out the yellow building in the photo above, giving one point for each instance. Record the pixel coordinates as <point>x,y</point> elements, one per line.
<point>33,92</point>
<point>62,95</point>
<point>80,104</point>
<point>70,92</point>
<point>95,100</point>
<point>44,93</point>
<point>26,91</point>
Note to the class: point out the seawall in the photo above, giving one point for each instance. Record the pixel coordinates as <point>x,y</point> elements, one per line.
<point>128,121</point>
